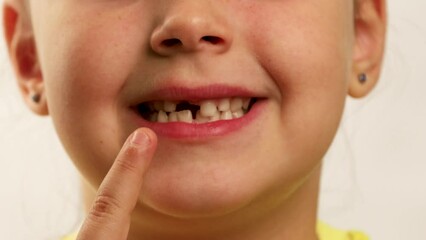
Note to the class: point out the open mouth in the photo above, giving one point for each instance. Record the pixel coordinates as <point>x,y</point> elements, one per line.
<point>196,112</point>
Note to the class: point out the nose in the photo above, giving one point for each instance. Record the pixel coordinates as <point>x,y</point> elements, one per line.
<point>192,26</point>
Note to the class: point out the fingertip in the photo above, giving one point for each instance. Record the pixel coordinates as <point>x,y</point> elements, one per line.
<point>151,134</point>
<point>143,137</point>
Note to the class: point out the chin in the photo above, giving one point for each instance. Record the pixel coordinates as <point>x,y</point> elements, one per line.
<point>196,194</point>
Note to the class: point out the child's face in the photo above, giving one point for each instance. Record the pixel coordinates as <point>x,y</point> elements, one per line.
<point>100,59</point>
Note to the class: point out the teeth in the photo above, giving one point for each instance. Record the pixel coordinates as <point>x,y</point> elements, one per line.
<point>215,117</point>
<point>169,106</point>
<point>173,117</point>
<point>236,104</point>
<point>162,117</point>
<point>224,105</point>
<point>158,106</point>
<point>208,108</point>
<point>154,117</point>
<point>226,115</point>
<point>238,114</point>
<point>200,118</point>
<point>185,116</point>
<point>246,103</point>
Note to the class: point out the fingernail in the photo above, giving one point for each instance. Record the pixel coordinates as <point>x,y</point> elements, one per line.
<point>140,138</point>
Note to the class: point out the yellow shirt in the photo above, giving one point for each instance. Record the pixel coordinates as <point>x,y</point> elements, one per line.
<point>324,231</point>
<point>327,232</point>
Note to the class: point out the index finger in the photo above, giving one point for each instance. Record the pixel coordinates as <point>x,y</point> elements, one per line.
<point>117,196</point>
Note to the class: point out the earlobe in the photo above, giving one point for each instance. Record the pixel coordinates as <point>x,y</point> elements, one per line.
<point>361,86</point>
<point>370,31</point>
<point>23,54</point>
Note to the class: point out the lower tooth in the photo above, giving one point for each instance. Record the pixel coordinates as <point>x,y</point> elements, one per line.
<point>238,114</point>
<point>173,117</point>
<point>162,117</point>
<point>153,117</point>
<point>185,116</point>
<point>226,115</point>
<point>199,118</point>
<point>215,117</point>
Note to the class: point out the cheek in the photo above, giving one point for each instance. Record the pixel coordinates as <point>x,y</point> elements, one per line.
<point>85,69</point>
<point>308,56</point>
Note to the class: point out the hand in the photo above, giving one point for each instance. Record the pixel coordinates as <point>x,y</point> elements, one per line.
<point>117,196</point>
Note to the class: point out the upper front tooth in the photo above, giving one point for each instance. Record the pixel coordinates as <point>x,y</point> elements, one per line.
<point>185,116</point>
<point>224,105</point>
<point>169,106</point>
<point>208,108</point>
<point>158,105</point>
<point>236,104</point>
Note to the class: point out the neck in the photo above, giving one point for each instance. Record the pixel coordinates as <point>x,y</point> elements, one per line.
<point>292,217</point>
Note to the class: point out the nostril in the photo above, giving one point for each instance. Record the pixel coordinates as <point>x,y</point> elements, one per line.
<point>171,42</point>
<point>212,39</point>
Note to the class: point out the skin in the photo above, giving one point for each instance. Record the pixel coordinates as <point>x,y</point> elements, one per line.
<point>262,181</point>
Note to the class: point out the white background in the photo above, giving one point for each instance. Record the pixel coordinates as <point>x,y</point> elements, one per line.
<point>374,178</point>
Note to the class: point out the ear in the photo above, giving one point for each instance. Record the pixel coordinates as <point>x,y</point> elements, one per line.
<point>23,54</point>
<point>370,31</point>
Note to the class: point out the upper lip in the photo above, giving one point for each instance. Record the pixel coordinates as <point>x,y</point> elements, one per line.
<point>199,93</point>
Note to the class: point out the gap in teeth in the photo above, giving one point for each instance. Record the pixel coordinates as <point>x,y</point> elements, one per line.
<point>196,112</point>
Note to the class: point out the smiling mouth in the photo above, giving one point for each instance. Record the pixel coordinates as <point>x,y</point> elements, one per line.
<point>195,112</point>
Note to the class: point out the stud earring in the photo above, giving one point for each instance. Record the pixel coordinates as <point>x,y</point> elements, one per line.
<point>362,78</point>
<point>36,97</point>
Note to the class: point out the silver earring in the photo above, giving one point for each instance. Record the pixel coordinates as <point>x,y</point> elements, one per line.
<point>362,78</point>
<point>36,98</point>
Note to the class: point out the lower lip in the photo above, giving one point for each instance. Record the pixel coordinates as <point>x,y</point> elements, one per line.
<point>181,130</point>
